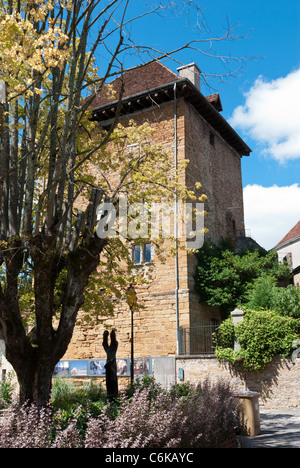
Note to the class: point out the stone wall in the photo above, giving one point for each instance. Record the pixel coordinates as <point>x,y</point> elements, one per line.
<point>297,279</point>
<point>218,168</point>
<point>154,323</point>
<point>278,385</point>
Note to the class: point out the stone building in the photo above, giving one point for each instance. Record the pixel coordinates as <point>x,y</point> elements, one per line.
<point>191,126</point>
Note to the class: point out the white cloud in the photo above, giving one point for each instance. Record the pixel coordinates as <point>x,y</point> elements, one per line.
<point>270,212</point>
<point>271,116</point>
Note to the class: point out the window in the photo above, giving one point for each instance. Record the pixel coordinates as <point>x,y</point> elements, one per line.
<point>212,138</point>
<point>147,253</point>
<point>234,227</point>
<point>141,254</point>
<point>136,254</point>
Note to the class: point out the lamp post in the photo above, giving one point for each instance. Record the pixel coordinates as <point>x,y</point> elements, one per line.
<point>131,301</point>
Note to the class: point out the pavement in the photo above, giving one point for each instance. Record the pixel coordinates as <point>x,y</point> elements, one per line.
<point>278,429</point>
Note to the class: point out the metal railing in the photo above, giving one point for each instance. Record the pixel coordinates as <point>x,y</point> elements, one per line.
<point>197,339</point>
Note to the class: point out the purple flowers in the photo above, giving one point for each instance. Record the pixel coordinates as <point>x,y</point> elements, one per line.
<point>185,417</point>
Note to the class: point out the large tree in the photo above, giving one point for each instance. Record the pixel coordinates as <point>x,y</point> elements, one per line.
<point>49,250</point>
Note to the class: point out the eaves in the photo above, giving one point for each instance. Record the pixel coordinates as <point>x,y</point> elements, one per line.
<point>166,93</point>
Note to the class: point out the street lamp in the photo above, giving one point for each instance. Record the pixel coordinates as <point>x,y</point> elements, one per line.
<point>131,301</point>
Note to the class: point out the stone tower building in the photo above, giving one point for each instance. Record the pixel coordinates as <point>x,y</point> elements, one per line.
<point>191,126</point>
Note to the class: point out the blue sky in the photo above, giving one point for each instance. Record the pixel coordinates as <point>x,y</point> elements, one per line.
<point>262,102</point>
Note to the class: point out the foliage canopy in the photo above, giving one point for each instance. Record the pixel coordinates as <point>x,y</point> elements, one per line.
<point>224,277</point>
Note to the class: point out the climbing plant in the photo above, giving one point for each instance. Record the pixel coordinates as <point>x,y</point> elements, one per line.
<point>261,336</point>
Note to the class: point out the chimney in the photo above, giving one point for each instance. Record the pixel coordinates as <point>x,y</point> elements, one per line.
<point>192,72</point>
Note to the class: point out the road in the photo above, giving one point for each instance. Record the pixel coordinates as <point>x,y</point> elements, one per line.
<point>279,429</point>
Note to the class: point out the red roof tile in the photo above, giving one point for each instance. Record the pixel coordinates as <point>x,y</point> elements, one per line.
<point>154,77</point>
<point>215,100</point>
<point>137,80</point>
<point>294,232</point>
<point>143,77</point>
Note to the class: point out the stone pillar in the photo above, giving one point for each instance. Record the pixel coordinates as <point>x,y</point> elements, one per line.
<point>237,316</point>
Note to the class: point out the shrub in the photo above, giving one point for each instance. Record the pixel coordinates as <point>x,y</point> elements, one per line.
<point>261,294</point>
<point>145,382</point>
<point>264,294</point>
<point>203,417</point>
<point>186,417</point>
<point>66,394</point>
<point>26,427</point>
<point>286,301</point>
<point>261,335</point>
<point>67,398</point>
<point>223,276</point>
<point>6,391</point>
<point>68,432</point>
<point>141,423</point>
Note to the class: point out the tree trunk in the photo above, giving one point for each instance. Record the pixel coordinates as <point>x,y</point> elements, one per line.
<point>33,356</point>
<point>34,366</point>
<point>35,384</point>
<point>111,365</point>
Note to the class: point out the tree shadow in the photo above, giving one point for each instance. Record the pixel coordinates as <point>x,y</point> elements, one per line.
<point>265,381</point>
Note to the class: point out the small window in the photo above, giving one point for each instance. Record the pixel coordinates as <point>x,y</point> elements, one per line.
<point>233,225</point>
<point>141,254</point>
<point>136,254</point>
<point>212,138</point>
<point>147,253</point>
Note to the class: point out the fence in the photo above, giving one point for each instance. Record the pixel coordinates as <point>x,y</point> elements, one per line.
<point>197,339</point>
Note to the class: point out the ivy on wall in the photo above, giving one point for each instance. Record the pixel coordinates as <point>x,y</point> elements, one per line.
<point>261,336</point>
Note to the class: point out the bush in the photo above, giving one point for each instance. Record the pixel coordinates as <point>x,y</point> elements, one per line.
<point>186,417</point>
<point>223,277</point>
<point>66,394</point>
<point>75,403</point>
<point>286,301</point>
<point>264,294</point>
<point>146,382</point>
<point>261,294</point>
<point>203,417</point>
<point>26,427</point>
<point>261,335</point>
<point>6,391</point>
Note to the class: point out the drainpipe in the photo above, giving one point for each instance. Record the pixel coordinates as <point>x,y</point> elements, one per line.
<point>176,223</point>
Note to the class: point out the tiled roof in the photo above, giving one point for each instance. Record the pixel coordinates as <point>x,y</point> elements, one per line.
<point>149,76</point>
<point>155,83</point>
<point>215,100</point>
<point>292,234</point>
<point>138,79</point>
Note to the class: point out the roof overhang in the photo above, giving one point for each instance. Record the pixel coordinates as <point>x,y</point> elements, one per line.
<point>166,93</point>
<point>286,243</point>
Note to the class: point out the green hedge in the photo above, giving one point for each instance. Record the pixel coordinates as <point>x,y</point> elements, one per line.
<point>261,335</point>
